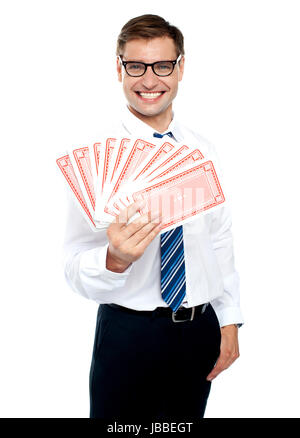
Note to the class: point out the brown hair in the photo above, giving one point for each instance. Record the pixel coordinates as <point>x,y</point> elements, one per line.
<point>147,27</point>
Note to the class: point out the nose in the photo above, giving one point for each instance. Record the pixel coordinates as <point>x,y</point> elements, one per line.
<point>149,79</point>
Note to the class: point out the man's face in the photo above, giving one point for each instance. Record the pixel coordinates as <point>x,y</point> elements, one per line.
<point>150,95</point>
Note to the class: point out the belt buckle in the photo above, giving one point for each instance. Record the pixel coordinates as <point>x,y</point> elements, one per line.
<point>183,320</point>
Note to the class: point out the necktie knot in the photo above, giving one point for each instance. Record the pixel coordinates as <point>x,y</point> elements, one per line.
<point>158,135</point>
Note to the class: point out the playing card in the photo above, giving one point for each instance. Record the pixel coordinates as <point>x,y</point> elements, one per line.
<point>188,159</point>
<point>80,159</point>
<point>94,153</point>
<point>65,165</point>
<point>118,155</point>
<point>178,152</point>
<point>153,160</point>
<point>106,152</point>
<point>182,196</point>
<point>115,160</point>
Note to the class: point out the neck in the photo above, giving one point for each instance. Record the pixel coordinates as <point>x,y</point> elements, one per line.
<point>158,122</point>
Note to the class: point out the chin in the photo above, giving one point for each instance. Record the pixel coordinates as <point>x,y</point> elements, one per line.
<point>148,112</point>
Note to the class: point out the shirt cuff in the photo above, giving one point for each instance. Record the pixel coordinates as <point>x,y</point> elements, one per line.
<point>109,273</point>
<point>93,264</point>
<point>230,315</point>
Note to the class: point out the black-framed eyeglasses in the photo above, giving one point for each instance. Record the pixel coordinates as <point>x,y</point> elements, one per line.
<point>160,68</point>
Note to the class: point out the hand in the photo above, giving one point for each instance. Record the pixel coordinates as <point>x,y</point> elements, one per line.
<point>127,242</point>
<point>229,350</point>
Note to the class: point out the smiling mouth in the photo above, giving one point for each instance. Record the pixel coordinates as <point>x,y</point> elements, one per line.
<point>149,95</point>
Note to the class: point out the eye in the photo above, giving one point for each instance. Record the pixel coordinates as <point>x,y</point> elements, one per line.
<point>135,66</point>
<point>163,67</point>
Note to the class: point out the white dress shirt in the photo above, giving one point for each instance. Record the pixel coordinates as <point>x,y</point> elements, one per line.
<point>209,260</point>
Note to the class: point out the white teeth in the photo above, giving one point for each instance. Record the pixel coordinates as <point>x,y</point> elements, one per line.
<point>150,95</point>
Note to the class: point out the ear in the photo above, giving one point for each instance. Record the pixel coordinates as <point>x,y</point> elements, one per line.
<point>181,67</point>
<point>119,69</point>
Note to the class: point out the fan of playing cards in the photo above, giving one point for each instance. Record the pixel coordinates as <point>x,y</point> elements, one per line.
<point>171,179</point>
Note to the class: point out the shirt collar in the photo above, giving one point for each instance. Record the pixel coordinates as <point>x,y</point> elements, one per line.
<point>135,126</point>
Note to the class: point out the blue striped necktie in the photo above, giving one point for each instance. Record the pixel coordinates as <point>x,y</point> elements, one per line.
<point>172,262</point>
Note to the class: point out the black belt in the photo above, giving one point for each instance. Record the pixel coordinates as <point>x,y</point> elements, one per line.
<point>182,314</point>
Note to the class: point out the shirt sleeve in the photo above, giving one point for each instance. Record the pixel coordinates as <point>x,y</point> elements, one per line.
<point>84,259</point>
<point>227,307</point>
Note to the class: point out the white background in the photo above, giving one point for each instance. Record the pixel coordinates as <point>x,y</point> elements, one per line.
<point>241,91</point>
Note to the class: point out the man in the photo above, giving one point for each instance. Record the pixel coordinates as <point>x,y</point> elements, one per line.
<point>169,310</point>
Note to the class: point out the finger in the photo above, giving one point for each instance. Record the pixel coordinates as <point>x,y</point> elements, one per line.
<point>128,212</point>
<point>218,368</point>
<point>222,364</point>
<point>148,239</point>
<point>139,223</point>
<point>138,237</point>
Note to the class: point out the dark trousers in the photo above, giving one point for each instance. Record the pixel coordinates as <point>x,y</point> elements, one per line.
<point>148,367</point>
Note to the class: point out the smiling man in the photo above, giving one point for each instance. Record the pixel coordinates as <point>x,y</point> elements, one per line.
<point>151,93</point>
<point>169,311</point>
